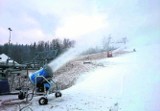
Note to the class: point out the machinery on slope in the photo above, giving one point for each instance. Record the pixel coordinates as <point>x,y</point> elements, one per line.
<point>43,85</point>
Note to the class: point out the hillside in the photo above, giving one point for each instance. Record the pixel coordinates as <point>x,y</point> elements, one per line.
<point>129,82</point>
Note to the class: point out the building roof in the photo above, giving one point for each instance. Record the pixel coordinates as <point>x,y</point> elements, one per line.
<point>4,58</point>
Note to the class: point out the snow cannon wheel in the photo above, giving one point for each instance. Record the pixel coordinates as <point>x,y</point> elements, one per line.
<point>58,94</point>
<point>43,101</point>
<point>21,95</point>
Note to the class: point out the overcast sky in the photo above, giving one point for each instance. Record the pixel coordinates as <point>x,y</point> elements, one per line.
<point>35,20</point>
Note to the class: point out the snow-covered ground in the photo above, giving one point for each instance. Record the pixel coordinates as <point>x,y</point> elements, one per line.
<point>130,82</point>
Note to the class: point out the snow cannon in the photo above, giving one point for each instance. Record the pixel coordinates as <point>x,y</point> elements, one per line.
<point>37,77</point>
<point>44,85</point>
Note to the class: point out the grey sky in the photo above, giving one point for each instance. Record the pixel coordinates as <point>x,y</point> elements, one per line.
<point>36,20</point>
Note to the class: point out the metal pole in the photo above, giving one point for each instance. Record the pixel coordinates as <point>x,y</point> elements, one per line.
<point>9,35</point>
<point>9,42</point>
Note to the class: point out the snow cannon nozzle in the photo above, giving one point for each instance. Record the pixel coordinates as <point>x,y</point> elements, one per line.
<point>48,69</point>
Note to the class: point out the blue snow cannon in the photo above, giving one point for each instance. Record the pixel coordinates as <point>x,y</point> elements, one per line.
<point>42,80</point>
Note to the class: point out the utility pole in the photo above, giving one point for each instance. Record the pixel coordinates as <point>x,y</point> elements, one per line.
<point>10,30</point>
<point>9,42</point>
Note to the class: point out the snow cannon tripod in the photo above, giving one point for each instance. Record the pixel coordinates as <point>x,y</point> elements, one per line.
<point>44,85</point>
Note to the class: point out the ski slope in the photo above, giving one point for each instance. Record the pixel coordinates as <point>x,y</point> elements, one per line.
<point>129,82</point>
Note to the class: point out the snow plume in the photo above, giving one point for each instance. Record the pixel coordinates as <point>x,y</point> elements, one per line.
<point>86,29</point>
<point>86,42</point>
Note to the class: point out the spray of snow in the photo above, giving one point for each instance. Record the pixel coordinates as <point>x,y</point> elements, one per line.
<point>88,31</point>
<point>84,42</point>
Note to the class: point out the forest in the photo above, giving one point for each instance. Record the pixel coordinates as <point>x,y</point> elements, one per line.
<point>26,53</point>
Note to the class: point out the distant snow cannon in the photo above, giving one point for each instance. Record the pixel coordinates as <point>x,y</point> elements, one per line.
<point>42,80</point>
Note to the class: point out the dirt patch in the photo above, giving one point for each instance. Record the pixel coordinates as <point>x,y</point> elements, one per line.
<point>69,73</point>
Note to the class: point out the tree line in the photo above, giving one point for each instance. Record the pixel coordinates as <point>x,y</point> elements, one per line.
<point>25,53</point>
